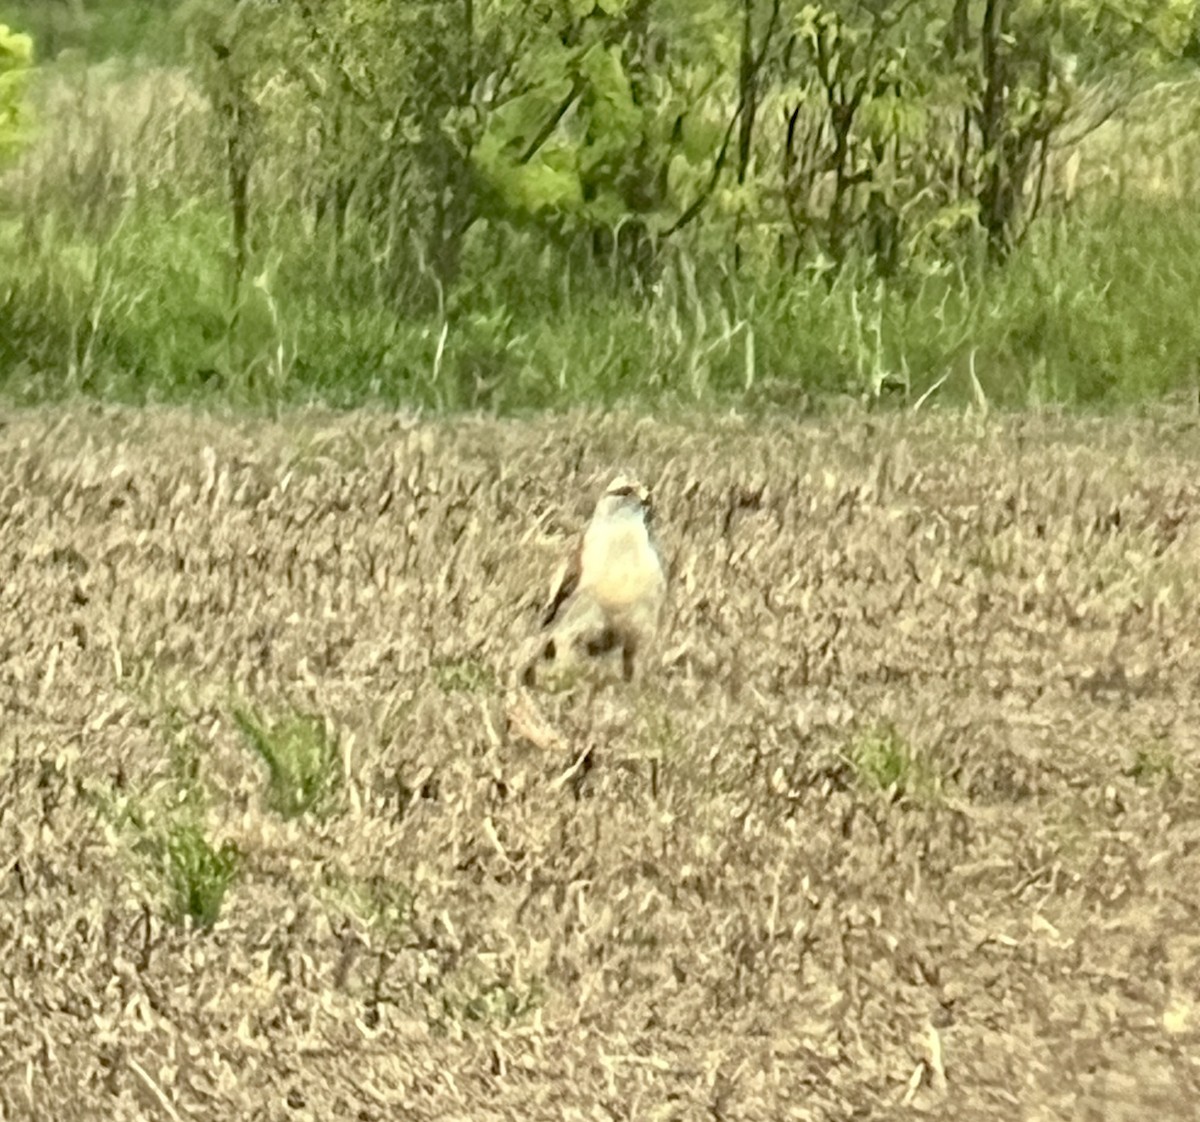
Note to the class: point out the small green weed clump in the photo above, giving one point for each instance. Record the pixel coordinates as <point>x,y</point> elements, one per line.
<point>1152,763</point>
<point>303,764</point>
<point>463,675</point>
<point>377,901</point>
<point>883,759</point>
<point>197,875</point>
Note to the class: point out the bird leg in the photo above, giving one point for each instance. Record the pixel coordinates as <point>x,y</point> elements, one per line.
<point>628,650</point>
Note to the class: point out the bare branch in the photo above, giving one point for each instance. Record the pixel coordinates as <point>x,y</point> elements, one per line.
<point>544,133</point>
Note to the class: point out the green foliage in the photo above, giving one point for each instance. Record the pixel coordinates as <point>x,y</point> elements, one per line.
<point>501,1003</point>
<point>884,759</point>
<point>197,875</point>
<point>563,146</point>
<point>1091,311</point>
<point>367,134</point>
<point>1133,32</point>
<point>303,762</point>
<point>659,736</point>
<point>16,57</point>
<point>504,206</point>
<point>374,900</point>
<point>1152,763</point>
<point>163,825</point>
<point>477,997</point>
<point>933,118</point>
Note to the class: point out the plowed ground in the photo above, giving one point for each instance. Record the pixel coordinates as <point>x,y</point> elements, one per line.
<point>900,822</point>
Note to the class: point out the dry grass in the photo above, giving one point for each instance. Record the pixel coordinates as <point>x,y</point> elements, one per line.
<point>1148,150</point>
<point>107,133</point>
<point>902,823</point>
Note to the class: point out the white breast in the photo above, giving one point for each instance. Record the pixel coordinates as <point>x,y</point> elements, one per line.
<point>620,565</point>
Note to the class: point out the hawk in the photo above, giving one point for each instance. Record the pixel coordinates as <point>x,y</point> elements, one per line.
<point>609,592</point>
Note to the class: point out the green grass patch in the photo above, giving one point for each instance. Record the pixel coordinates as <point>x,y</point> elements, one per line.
<point>163,830</point>
<point>1152,763</point>
<point>884,759</point>
<point>473,998</point>
<point>464,675</point>
<point>377,901</point>
<point>129,295</point>
<point>197,874</point>
<point>303,761</point>
<point>1099,315</point>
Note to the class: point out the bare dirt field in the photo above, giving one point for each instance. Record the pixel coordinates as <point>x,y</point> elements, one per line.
<point>901,821</point>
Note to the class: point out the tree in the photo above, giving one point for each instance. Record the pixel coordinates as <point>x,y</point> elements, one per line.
<point>835,129</point>
<point>906,123</point>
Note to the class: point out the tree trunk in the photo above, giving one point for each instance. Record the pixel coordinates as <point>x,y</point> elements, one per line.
<point>997,197</point>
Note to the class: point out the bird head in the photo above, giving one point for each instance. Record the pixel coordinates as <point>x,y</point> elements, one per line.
<point>625,493</point>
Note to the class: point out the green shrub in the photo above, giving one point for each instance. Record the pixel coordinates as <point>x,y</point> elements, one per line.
<point>16,57</point>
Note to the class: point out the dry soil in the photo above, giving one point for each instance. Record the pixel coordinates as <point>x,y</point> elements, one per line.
<point>899,822</point>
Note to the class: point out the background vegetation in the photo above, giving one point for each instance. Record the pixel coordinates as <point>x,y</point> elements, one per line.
<point>500,205</point>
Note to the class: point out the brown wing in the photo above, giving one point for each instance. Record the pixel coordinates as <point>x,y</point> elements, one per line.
<point>566,580</point>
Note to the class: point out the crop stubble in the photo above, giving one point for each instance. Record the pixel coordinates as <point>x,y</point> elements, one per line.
<point>692,898</point>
